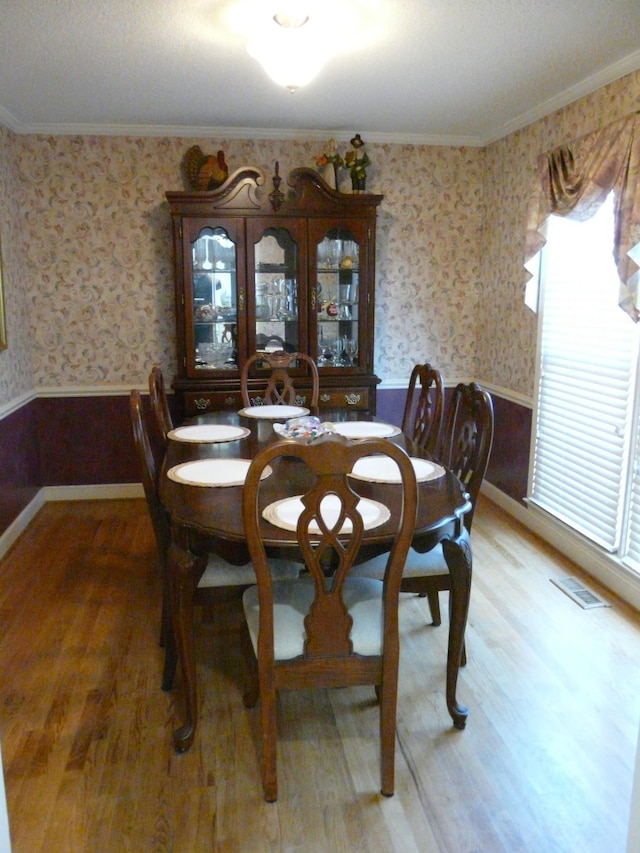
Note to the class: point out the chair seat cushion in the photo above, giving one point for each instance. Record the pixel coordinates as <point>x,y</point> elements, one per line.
<point>292,599</point>
<point>416,566</point>
<point>221,573</point>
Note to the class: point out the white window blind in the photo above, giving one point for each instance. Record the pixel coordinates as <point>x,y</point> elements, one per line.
<point>587,369</point>
<point>632,549</point>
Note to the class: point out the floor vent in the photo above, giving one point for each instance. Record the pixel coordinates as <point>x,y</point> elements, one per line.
<point>578,592</point>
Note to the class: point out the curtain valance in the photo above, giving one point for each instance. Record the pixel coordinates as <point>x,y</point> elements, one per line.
<point>574,181</point>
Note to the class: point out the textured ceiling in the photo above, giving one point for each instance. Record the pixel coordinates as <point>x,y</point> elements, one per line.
<point>449,71</point>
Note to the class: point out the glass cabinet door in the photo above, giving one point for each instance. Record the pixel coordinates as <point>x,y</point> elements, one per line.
<point>276,291</point>
<point>214,309</point>
<point>337,299</point>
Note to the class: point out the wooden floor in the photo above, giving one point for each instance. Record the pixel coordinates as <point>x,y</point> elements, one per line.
<point>545,763</point>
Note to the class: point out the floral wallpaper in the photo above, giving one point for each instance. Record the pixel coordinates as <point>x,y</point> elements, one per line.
<point>86,241</point>
<point>96,247</point>
<point>16,378</point>
<point>506,331</point>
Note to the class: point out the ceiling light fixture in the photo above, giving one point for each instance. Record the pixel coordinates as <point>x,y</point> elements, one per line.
<point>290,19</point>
<point>291,51</point>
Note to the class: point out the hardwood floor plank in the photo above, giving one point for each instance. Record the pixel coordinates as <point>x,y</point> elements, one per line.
<point>545,763</point>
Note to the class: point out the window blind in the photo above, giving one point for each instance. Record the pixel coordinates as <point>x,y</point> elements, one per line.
<point>632,550</point>
<point>588,354</point>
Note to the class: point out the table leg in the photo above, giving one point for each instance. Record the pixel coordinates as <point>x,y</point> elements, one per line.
<point>457,553</point>
<point>185,570</point>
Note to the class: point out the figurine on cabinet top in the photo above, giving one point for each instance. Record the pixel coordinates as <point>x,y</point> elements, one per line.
<point>204,172</point>
<point>356,162</point>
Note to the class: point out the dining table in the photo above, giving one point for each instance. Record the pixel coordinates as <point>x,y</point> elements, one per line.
<point>207,518</point>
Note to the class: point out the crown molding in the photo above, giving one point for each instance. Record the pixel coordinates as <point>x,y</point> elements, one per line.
<point>590,84</point>
<point>585,87</point>
<point>195,131</point>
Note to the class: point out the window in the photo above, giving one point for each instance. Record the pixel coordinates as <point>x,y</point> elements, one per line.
<point>586,445</point>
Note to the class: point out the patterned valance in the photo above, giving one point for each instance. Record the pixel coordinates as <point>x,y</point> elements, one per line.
<point>574,181</point>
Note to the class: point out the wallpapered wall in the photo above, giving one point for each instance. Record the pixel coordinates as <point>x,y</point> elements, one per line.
<point>97,251</point>
<point>87,251</point>
<point>15,361</point>
<point>507,329</point>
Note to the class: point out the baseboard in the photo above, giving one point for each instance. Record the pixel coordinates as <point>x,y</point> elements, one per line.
<point>605,568</point>
<point>20,523</point>
<point>106,491</point>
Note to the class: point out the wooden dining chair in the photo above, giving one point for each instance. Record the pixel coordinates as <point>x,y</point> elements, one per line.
<point>280,389</point>
<point>325,629</point>
<point>424,407</point>
<point>159,404</point>
<point>215,574</point>
<point>465,448</point>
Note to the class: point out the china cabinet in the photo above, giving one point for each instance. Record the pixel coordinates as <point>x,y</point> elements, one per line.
<point>261,271</point>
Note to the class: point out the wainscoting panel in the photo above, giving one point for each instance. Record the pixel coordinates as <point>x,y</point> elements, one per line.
<point>19,462</point>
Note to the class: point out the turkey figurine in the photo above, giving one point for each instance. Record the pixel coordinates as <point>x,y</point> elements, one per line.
<point>205,172</point>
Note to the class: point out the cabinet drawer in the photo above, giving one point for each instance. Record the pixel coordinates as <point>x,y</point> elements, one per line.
<point>200,402</point>
<point>344,398</point>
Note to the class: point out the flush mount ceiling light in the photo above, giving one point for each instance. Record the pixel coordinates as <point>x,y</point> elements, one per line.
<point>291,18</point>
<point>290,50</point>
<point>293,39</point>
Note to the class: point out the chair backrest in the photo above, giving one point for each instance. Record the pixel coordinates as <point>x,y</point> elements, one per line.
<point>280,389</point>
<point>328,553</point>
<point>150,460</point>
<point>424,407</point>
<point>159,404</point>
<point>467,438</point>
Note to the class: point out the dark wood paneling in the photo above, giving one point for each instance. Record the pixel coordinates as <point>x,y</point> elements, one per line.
<point>19,474</point>
<point>64,441</point>
<point>390,405</point>
<point>509,462</point>
<point>85,441</point>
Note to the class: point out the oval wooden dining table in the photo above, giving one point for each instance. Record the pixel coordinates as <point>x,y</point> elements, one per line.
<point>208,520</point>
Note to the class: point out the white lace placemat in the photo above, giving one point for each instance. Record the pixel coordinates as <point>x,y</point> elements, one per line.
<point>213,472</point>
<point>277,413</point>
<point>285,513</point>
<point>208,433</point>
<point>382,469</point>
<point>366,429</point>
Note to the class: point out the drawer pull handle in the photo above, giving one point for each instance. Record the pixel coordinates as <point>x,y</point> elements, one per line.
<point>352,399</point>
<point>325,398</point>
<point>201,403</point>
<point>229,401</point>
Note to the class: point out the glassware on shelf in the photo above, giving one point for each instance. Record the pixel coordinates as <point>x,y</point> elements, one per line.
<point>327,348</point>
<point>291,298</point>
<point>335,253</point>
<point>349,256</point>
<point>200,253</point>
<point>323,254</point>
<point>348,351</point>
